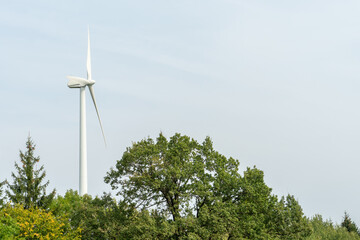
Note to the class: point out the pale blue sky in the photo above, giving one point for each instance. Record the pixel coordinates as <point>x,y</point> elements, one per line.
<point>274,84</point>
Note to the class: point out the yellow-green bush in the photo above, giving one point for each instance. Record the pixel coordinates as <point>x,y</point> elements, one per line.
<point>35,223</point>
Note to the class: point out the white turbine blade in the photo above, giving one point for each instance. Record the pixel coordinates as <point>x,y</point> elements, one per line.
<point>91,89</point>
<point>88,60</point>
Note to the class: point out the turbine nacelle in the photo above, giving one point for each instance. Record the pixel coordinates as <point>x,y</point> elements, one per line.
<point>78,82</point>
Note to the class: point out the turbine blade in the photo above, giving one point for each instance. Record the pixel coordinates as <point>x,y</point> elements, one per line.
<point>91,89</point>
<point>88,60</point>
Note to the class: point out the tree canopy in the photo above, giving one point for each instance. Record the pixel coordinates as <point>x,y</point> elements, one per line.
<point>172,188</point>
<point>203,191</point>
<point>349,225</point>
<point>171,174</point>
<point>17,222</point>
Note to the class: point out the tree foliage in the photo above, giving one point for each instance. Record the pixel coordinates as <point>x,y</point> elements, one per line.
<point>349,224</point>
<point>322,229</point>
<point>9,229</point>
<point>203,192</point>
<point>34,223</point>
<point>27,188</point>
<point>169,189</point>
<point>105,218</point>
<point>99,218</point>
<point>2,197</point>
<point>171,174</point>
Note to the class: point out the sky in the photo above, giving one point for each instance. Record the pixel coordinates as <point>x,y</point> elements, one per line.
<point>275,84</point>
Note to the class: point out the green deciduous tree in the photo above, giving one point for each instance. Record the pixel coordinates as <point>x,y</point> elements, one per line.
<point>99,217</point>
<point>171,174</point>
<point>9,229</point>
<point>27,188</point>
<point>289,220</point>
<point>322,229</point>
<point>203,192</point>
<point>16,222</point>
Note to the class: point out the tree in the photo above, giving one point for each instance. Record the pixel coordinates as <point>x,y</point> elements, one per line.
<point>170,174</point>
<point>202,192</point>
<point>289,211</point>
<point>27,188</point>
<point>8,226</point>
<point>327,230</point>
<point>104,218</point>
<point>1,193</point>
<point>98,218</point>
<point>349,224</point>
<point>16,222</point>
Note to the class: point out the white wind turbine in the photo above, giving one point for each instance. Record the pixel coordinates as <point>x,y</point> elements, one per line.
<point>82,83</point>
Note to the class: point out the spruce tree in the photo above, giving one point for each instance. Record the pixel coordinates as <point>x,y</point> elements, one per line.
<point>27,188</point>
<point>349,224</point>
<point>1,193</point>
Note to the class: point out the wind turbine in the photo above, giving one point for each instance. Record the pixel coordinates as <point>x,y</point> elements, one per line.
<point>82,83</point>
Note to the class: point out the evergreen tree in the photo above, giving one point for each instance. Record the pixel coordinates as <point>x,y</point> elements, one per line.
<point>27,188</point>
<point>1,193</point>
<point>349,224</point>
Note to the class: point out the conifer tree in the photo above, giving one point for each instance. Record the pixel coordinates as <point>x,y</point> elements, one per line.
<point>349,224</point>
<point>27,188</point>
<point>1,193</point>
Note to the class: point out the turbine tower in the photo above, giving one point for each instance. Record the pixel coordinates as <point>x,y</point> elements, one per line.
<point>82,83</point>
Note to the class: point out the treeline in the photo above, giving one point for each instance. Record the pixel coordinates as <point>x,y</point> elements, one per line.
<point>168,189</point>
